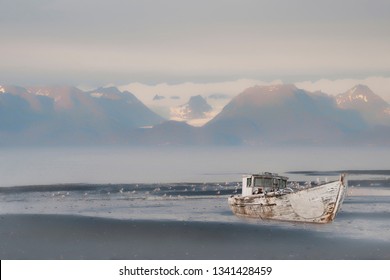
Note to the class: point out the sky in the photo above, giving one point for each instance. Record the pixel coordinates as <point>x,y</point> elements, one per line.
<point>96,42</point>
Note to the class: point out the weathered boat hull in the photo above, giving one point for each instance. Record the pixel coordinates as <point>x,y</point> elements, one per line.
<point>318,204</point>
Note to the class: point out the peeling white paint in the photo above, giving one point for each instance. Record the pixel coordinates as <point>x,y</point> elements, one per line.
<point>318,204</point>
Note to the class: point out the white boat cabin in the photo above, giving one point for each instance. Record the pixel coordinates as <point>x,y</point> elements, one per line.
<point>262,183</point>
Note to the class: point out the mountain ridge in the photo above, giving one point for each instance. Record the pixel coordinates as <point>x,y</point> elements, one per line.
<point>67,115</point>
<point>259,115</point>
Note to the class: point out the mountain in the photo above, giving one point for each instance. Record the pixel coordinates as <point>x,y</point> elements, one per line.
<point>68,115</point>
<point>23,116</point>
<point>260,115</point>
<point>124,108</point>
<point>195,108</point>
<point>284,114</point>
<point>372,107</point>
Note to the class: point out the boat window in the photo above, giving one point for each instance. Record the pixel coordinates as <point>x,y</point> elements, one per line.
<point>263,182</point>
<point>249,182</point>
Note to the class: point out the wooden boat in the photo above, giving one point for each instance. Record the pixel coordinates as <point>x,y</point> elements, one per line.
<point>267,196</point>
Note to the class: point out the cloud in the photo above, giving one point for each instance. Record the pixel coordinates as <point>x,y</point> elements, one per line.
<point>185,90</point>
<point>155,41</point>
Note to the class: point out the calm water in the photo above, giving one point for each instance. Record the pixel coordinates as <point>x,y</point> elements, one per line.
<point>30,166</point>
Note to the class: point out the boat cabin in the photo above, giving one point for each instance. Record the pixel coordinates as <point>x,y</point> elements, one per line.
<point>262,183</point>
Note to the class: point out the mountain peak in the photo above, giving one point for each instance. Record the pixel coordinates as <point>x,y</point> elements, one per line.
<point>54,91</point>
<point>267,95</point>
<point>198,104</point>
<point>371,106</point>
<point>361,88</point>
<point>359,94</point>
<point>108,90</point>
<point>15,90</point>
<point>196,108</point>
<point>270,88</point>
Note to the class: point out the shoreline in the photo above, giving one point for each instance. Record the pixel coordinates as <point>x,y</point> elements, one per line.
<point>51,236</point>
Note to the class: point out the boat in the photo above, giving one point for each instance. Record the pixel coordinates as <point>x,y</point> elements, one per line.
<point>269,196</point>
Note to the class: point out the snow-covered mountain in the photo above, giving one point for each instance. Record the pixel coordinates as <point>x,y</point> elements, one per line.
<point>196,111</point>
<point>372,107</point>
<point>259,115</point>
<point>284,114</point>
<point>69,115</point>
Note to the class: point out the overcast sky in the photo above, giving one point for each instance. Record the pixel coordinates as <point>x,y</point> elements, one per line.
<point>122,41</point>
